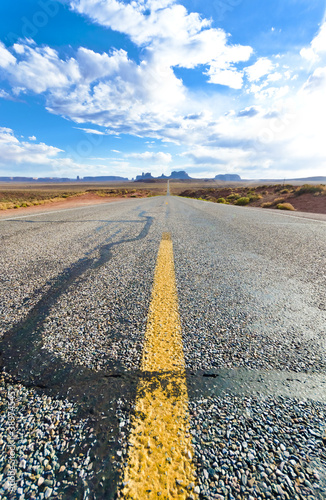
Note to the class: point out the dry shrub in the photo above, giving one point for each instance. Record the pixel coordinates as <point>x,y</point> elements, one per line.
<point>255,197</point>
<point>243,201</point>
<point>309,189</point>
<point>278,200</point>
<point>285,206</point>
<point>233,196</point>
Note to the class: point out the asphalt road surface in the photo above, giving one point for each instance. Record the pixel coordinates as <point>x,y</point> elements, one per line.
<point>235,299</point>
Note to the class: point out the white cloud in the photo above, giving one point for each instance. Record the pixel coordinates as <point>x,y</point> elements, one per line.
<point>274,93</point>
<point>32,138</point>
<point>229,77</point>
<point>18,152</point>
<point>262,67</point>
<point>206,156</point>
<point>40,159</point>
<point>90,131</point>
<point>162,158</point>
<point>93,66</point>
<point>223,72</point>
<point>107,90</point>
<point>281,138</point>
<point>317,47</point>
<point>172,36</point>
<point>319,42</point>
<point>38,69</point>
<point>146,99</point>
<point>132,19</point>
<point>6,58</point>
<point>268,79</point>
<point>5,95</point>
<point>275,77</point>
<point>309,54</point>
<point>316,81</point>
<point>19,48</point>
<point>111,90</point>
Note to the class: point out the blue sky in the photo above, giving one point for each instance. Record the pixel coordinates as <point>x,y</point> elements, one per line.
<point>112,87</point>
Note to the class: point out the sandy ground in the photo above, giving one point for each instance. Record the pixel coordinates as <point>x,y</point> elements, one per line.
<point>308,203</point>
<point>73,202</point>
<point>304,203</point>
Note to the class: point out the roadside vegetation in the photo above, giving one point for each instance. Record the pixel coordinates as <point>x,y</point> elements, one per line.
<point>26,198</point>
<point>280,197</point>
<point>14,196</point>
<point>309,198</point>
<point>122,193</point>
<point>285,206</point>
<point>319,190</point>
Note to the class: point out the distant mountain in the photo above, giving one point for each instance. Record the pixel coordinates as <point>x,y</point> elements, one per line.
<point>147,177</point>
<point>236,178</point>
<point>104,178</point>
<point>144,177</point>
<point>228,177</point>
<point>181,175</point>
<point>321,180</point>
<point>175,175</point>
<point>35,179</point>
<point>63,179</point>
<point>311,179</point>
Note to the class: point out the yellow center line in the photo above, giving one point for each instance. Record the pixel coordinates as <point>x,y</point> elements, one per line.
<point>160,449</point>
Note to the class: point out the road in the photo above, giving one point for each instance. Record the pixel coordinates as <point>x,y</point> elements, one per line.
<point>234,297</point>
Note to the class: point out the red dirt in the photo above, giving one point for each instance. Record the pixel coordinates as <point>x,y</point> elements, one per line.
<point>307,202</point>
<point>83,200</point>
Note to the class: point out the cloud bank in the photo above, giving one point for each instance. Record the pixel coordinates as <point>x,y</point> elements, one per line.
<point>277,125</point>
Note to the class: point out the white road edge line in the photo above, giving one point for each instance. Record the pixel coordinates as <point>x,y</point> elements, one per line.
<point>63,210</point>
<point>294,216</point>
<point>257,209</point>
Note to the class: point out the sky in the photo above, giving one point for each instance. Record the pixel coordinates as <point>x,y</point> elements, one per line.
<point>112,87</point>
